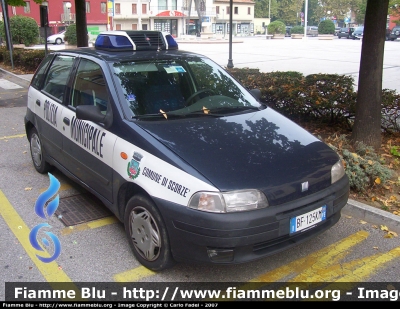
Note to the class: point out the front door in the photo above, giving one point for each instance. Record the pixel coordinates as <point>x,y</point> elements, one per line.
<point>88,145</point>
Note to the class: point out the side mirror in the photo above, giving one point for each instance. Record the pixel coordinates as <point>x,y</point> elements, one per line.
<point>93,113</point>
<point>256,94</point>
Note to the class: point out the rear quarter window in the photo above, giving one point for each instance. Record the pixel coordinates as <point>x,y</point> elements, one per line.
<point>58,76</point>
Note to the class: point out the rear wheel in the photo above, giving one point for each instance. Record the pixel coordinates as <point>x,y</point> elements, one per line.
<point>147,234</point>
<point>38,152</point>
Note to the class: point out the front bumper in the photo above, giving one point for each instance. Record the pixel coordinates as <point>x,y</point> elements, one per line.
<point>245,236</point>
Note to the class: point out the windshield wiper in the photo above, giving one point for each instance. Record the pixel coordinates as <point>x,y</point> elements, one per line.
<point>214,112</point>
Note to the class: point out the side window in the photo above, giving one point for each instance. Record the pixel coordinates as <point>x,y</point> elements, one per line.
<point>57,77</point>
<point>39,75</point>
<point>89,86</point>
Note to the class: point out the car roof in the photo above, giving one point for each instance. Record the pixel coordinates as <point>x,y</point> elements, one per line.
<point>122,56</point>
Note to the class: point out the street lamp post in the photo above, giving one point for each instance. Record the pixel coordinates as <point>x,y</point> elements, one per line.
<point>223,20</point>
<point>230,62</point>
<point>68,7</point>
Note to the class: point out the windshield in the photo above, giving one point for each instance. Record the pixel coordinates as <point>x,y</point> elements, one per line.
<point>189,86</point>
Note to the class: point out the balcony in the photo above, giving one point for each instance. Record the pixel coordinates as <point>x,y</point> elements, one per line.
<point>68,18</point>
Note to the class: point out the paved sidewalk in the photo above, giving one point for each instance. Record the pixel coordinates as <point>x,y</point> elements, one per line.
<point>353,208</point>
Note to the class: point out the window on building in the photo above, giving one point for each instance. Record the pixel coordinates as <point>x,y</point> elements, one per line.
<point>144,8</point>
<point>103,7</point>
<point>87,7</point>
<point>14,10</point>
<point>236,10</point>
<point>174,5</point>
<point>134,8</point>
<point>185,4</point>
<point>144,26</point>
<point>27,7</point>
<point>217,9</point>
<point>117,8</point>
<point>162,5</point>
<point>228,10</point>
<point>134,26</point>
<point>249,11</point>
<point>118,27</point>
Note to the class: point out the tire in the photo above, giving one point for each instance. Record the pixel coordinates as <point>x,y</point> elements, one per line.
<point>58,41</point>
<point>339,37</point>
<point>38,153</point>
<point>147,234</point>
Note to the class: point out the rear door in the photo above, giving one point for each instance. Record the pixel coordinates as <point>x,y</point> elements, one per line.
<point>46,97</point>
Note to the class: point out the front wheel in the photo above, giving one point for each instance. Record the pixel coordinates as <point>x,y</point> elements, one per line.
<point>147,234</point>
<point>58,41</point>
<point>37,152</point>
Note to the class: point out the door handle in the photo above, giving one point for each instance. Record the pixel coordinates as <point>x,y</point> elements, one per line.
<point>38,102</point>
<point>66,121</point>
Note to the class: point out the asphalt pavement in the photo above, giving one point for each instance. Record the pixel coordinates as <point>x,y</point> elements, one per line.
<point>353,208</point>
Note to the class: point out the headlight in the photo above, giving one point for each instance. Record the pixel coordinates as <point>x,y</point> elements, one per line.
<point>229,201</point>
<point>337,171</point>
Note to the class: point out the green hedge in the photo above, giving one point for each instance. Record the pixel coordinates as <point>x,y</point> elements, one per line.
<point>26,59</point>
<point>326,98</point>
<point>24,30</point>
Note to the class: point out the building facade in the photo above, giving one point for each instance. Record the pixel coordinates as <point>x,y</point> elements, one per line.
<point>178,17</point>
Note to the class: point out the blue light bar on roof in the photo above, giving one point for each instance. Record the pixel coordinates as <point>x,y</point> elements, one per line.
<point>113,42</point>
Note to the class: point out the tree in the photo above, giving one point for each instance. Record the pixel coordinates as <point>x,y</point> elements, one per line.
<point>394,10</point>
<point>261,9</point>
<point>24,30</point>
<point>367,122</point>
<point>81,25</point>
<point>289,11</point>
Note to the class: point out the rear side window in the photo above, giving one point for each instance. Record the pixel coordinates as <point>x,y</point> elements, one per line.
<point>37,79</point>
<point>57,77</point>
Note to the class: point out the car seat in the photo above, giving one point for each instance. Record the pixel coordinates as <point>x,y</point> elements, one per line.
<point>162,93</point>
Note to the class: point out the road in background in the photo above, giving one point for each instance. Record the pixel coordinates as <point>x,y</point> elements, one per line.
<point>307,56</point>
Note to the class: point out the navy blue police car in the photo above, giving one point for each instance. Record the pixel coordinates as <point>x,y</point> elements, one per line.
<point>190,161</point>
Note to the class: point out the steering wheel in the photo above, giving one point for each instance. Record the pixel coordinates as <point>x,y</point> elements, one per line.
<point>196,94</point>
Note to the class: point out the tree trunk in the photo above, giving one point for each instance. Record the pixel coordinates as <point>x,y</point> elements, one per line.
<point>81,26</point>
<point>367,124</point>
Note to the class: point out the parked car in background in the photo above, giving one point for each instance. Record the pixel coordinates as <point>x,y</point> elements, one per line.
<point>394,33</point>
<point>57,38</point>
<point>337,29</point>
<point>358,33</point>
<point>346,32</point>
<point>312,31</point>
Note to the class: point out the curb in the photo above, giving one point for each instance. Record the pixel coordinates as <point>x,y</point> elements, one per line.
<point>362,211</point>
<point>372,215</point>
<point>25,78</point>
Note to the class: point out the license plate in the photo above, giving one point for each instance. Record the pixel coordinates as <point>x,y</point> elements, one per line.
<point>308,219</point>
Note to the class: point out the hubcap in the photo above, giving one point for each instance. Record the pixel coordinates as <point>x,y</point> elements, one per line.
<point>36,150</point>
<point>144,233</point>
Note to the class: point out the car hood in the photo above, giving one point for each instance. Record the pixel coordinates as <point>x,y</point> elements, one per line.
<point>262,150</point>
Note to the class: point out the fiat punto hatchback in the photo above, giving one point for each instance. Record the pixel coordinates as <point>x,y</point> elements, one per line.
<point>192,163</point>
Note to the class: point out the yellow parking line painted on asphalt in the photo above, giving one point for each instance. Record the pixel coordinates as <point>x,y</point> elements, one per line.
<point>133,275</point>
<point>315,264</point>
<point>13,136</point>
<point>313,267</point>
<point>50,271</point>
<point>90,225</point>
